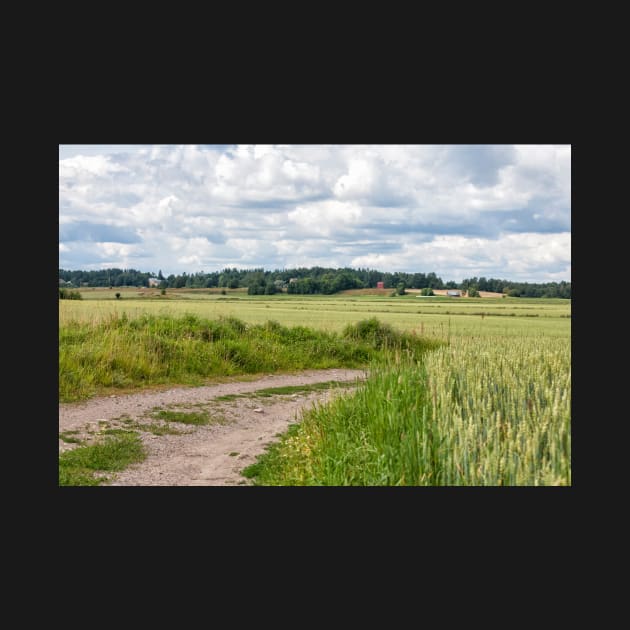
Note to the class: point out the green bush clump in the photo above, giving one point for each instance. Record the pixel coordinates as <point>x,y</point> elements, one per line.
<point>66,294</point>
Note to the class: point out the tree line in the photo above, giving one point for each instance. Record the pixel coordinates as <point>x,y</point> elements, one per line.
<point>307,280</point>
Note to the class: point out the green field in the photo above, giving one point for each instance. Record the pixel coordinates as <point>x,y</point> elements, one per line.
<point>470,413</point>
<point>463,391</point>
<point>435,317</point>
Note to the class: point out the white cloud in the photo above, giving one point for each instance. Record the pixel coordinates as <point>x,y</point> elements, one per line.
<point>114,250</point>
<point>260,150</point>
<point>190,260</point>
<point>226,169</point>
<point>457,207</point>
<point>324,217</point>
<point>358,182</point>
<point>80,165</point>
<point>308,253</point>
<point>300,171</point>
<point>511,256</point>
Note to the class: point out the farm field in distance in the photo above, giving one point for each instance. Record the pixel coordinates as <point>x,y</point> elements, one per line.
<point>432,316</point>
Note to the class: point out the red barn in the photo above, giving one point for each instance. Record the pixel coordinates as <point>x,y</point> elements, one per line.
<point>380,285</point>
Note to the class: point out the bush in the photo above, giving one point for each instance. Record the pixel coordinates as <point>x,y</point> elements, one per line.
<point>427,291</point>
<point>64,294</point>
<point>372,331</point>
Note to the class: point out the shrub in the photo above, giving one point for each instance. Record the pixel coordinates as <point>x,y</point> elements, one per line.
<point>379,336</point>
<point>64,294</point>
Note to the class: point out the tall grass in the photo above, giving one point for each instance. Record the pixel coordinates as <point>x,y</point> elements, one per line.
<point>476,412</point>
<point>122,352</point>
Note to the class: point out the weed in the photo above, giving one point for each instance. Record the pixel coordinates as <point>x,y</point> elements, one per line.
<point>229,397</point>
<point>67,436</point>
<point>160,429</point>
<point>81,466</point>
<point>184,417</point>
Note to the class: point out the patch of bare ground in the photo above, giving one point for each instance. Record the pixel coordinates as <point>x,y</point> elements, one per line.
<point>207,455</point>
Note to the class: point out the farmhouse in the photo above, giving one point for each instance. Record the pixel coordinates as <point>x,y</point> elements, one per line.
<point>454,293</point>
<point>154,282</point>
<point>380,285</point>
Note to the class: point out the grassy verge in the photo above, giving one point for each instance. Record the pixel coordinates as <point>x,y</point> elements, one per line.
<point>119,352</point>
<point>84,465</point>
<point>471,413</point>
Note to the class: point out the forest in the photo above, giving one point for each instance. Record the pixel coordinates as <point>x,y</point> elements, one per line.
<point>306,280</point>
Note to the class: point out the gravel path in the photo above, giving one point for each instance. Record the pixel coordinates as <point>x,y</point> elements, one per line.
<point>207,455</point>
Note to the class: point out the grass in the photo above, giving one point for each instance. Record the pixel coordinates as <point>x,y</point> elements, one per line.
<point>121,353</point>
<point>84,465</point>
<point>302,389</point>
<point>117,432</point>
<point>185,417</point>
<point>285,390</point>
<point>470,413</point>
<point>160,429</point>
<point>156,429</point>
<point>68,436</point>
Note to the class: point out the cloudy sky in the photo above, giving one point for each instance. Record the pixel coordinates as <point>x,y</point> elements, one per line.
<point>501,211</point>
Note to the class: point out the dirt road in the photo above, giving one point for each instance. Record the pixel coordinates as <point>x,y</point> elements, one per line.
<point>206,455</point>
